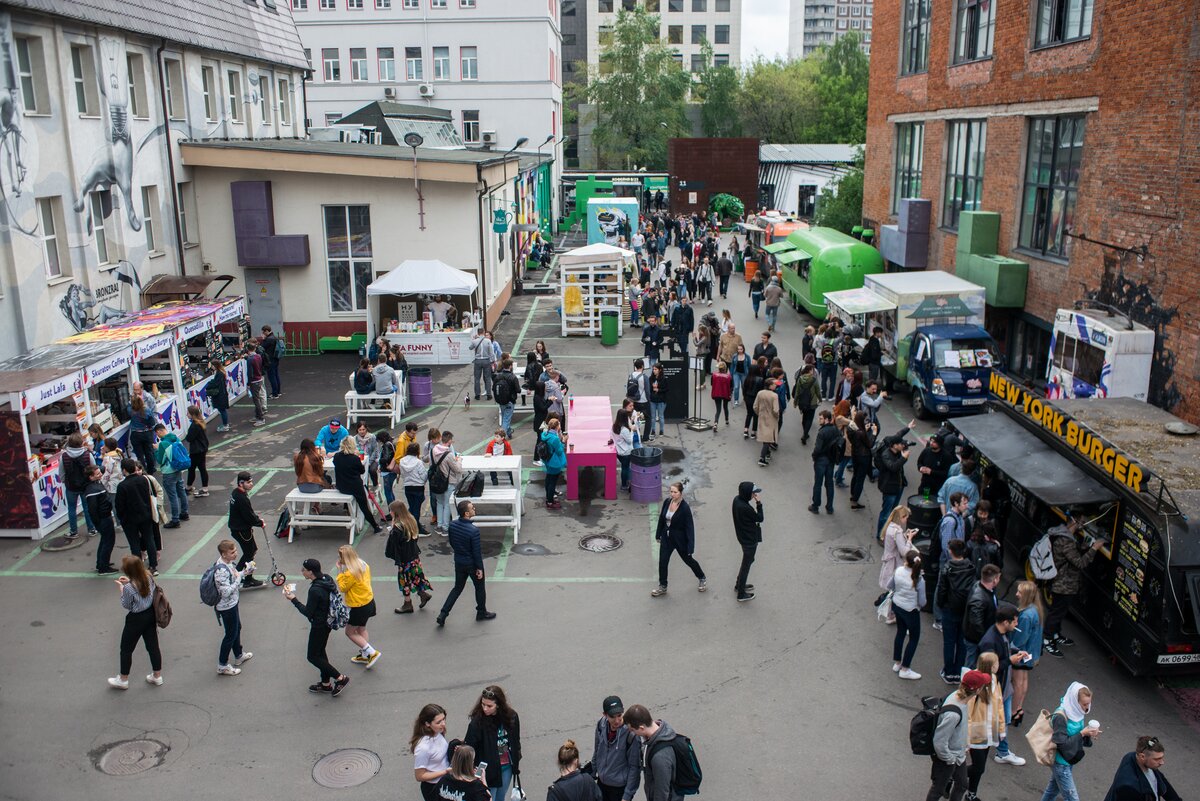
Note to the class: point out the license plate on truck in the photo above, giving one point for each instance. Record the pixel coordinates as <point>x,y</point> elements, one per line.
<point>974,401</point>
<point>1178,659</point>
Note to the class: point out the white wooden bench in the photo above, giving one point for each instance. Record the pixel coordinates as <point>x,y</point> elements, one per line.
<point>500,506</point>
<point>300,506</point>
<point>388,406</point>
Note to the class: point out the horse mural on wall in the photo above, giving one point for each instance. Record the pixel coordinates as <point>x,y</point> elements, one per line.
<point>16,192</point>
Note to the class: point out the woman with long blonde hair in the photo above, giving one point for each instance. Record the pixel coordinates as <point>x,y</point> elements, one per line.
<point>402,549</point>
<point>1028,638</point>
<point>354,580</point>
<point>897,541</point>
<point>348,471</point>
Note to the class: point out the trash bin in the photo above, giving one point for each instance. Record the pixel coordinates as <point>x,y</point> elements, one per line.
<point>420,387</point>
<point>610,326</point>
<point>751,269</point>
<point>645,474</point>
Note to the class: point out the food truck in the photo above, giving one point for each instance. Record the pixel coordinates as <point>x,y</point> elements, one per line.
<point>1116,466</point>
<point>56,390</point>
<point>820,260</point>
<point>933,337</point>
<point>1096,353</point>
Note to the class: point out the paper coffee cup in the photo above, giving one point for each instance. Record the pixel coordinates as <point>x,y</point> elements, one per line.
<point>1094,724</point>
<point>290,587</point>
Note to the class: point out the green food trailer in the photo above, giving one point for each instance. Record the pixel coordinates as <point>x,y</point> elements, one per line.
<point>821,260</point>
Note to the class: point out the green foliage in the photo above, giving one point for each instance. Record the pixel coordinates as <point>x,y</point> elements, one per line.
<point>726,207</point>
<point>841,207</point>
<point>717,92</point>
<point>639,93</point>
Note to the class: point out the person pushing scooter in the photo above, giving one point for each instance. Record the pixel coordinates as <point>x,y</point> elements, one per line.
<point>242,521</point>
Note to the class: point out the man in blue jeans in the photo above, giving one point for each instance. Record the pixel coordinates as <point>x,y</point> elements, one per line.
<point>955,580</point>
<point>892,459</point>
<point>826,451</point>
<point>468,563</point>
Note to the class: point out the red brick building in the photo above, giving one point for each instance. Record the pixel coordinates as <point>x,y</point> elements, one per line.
<point>1075,120</point>
<point>702,168</point>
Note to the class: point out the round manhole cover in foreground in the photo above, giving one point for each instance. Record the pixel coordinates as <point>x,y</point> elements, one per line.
<point>600,543</point>
<point>128,757</point>
<point>842,553</point>
<point>348,767</point>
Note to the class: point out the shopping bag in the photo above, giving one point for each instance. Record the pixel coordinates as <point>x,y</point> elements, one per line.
<point>1040,740</point>
<point>517,793</point>
<point>884,610</point>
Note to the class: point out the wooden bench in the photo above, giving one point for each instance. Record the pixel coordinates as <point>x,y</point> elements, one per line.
<point>506,501</point>
<point>522,405</point>
<point>388,406</point>
<point>300,506</point>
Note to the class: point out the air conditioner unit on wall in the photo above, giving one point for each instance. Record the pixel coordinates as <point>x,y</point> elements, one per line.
<point>488,137</point>
<point>425,89</point>
<point>389,91</point>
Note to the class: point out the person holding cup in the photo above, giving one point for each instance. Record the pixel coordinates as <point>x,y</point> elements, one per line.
<point>316,609</point>
<point>557,463</point>
<point>1071,736</point>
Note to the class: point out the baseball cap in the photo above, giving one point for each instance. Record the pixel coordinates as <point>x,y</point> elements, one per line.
<point>613,706</point>
<point>334,423</point>
<point>757,489</point>
<point>974,679</point>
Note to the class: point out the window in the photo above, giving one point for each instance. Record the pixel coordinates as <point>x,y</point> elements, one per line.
<point>470,126</point>
<point>721,60</point>
<point>652,6</point>
<point>1052,165</point>
<point>856,24</point>
<point>386,60</point>
<point>722,5</point>
<point>466,3</point>
<point>843,11</point>
<point>100,199</point>
<point>699,5</point>
<point>348,253</point>
<point>208,79</point>
<point>842,25</point>
<point>721,34</point>
<point>697,62</point>
<point>31,74</point>
<point>83,71</point>
<point>605,35</point>
<point>49,214</point>
<point>568,8</point>
<point>412,5</point>
<point>284,96</point>
<point>358,64</point>
<point>674,5</point>
<point>966,141</point>
<point>469,63</point>
<point>856,11</point>
<point>176,90</point>
<point>354,5</point>
<point>975,25</point>
<point>187,202</point>
<point>699,34</point>
<point>332,118</point>
<point>629,5</point>
<point>138,107</point>
<point>233,82</point>
<point>331,64</point>
<point>328,5</point>
<point>441,63</point>
<point>1083,360</point>
<point>412,64</point>
<point>910,146</point>
<point>383,5</point>
<point>437,3</point>
<point>606,6</point>
<point>308,56</point>
<point>150,217</point>
<point>914,43</point>
<point>569,40</point>
<point>264,99</point>
<point>299,5</point>
<point>1061,21</point>
<point>674,34</point>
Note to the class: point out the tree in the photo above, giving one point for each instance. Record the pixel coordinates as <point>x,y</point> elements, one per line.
<point>717,91</point>
<point>841,207</point>
<point>842,92</point>
<point>778,101</point>
<point>639,91</point>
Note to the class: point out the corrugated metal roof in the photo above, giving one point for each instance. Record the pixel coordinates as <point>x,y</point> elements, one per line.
<point>251,29</point>
<point>435,133</point>
<point>807,154</point>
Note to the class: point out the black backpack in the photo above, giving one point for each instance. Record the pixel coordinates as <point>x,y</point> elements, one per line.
<point>925,723</point>
<point>632,390</point>
<point>877,454</point>
<point>541,451</point>
<point>75,471</point>
<point>502,389</point>
<point>688,775</point>
<point>439,482</point>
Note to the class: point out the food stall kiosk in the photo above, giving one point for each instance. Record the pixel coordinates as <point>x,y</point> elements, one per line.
<point>1141,594</point>
<point>55,390</point>
<point>409,287</point>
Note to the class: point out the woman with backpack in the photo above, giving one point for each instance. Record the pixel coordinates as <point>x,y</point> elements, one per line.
<point>354,582</point>
<point>320,597</point>
<point>495,734</point>
<point>73,467</point>
<point>217,390</point>
<point>1071,735</point>
<point>908,598</point>
<point>348,471</point>
<point>197,440</point>
<point>402,549</point>
<point>553,453</point>
<point>137,599</point>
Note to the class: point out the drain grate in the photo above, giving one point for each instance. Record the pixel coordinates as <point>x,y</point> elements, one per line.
<point>128,757</point>
<point>600,543</point>
<point>348,767</point>
<point>531,549</point>
<point>845,554</point>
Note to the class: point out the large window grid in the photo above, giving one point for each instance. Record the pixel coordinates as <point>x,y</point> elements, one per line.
<point>975,28</point>
<point>1053,161</point>
<point>966,142</point>
<point>914,42</point>
<point>348,255</point>
<point>910,153</point>
<point>1059,21</point>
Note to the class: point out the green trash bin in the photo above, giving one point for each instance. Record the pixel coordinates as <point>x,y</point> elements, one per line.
<point>610,326</point>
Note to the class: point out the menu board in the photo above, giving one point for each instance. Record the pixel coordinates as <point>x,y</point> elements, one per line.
<point>1132,554</point>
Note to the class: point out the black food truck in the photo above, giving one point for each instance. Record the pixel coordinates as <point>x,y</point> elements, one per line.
<point>1131,473</point>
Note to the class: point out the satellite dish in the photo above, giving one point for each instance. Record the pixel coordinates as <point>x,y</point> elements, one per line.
<point>413,139</point>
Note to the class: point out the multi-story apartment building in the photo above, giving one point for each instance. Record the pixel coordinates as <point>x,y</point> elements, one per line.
<point>574,70</point>
<point>495,64</point>
<point>813,24</point>
<point>1072,121</point>
<point>95,199</point>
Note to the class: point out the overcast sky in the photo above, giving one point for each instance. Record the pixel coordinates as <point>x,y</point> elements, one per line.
<point>764,28</point>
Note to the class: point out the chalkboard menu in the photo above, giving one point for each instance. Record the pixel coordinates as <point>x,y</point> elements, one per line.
<point>1130,574</point>
<point>676,373</point>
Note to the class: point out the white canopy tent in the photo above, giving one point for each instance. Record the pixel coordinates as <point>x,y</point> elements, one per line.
<point>418,277</point>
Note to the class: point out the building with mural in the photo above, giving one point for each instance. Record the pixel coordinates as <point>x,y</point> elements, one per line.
<point>94,197</point>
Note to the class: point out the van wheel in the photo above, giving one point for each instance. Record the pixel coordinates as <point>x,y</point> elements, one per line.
<point>918,404</point>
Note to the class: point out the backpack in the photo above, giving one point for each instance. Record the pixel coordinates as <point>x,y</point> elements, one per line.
<point>179,457</point>
<point>1041,559</point>
<point>925,723</point>
<point>339,613</point>
<point>74,473</point>
<point>502,390</point>
<point>209,594</point>
<point>877,455</point>
<point>541,451</point>
<point>471,485</point>
<point>688,775</point>
<point>439,481</point>
<point>828,356</point>
<point>280,349</point>
<point>632,390</point>
<point>161,607</point>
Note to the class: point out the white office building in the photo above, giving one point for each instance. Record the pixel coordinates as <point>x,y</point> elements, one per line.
<point>813,24</point>
<point>494,64</point>
<point>686,25</point>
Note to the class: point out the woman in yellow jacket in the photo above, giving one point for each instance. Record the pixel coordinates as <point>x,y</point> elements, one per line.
<point>354,581</point>
<point>985,722</point>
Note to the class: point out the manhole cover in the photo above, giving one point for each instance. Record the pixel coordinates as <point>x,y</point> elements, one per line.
<point>530,549</point>
<point>131,756</point>
<point>844,554</point>
<point>600,543</point>
<point>348,767</point>
<point>64,543</point>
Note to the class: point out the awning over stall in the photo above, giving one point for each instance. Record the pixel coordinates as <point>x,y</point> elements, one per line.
<point>858,301</point>
<point>1030,462</point>
<point>789,256</point>
<point>424,277</point>
<point>778,247</point>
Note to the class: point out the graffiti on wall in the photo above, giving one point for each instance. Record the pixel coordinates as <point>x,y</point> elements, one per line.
<point>113,160</point>
<point>15,189</point>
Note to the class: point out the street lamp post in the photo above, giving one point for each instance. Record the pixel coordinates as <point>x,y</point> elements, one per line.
<point>415,140</point>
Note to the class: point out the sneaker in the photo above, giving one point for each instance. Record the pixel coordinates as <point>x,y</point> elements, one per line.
<point>172,524</point>
<point>258,423</point>
<point>1061,640</point>
<point>745,596</point>
<point>857,505</point>
<point>154,572</point>
<point>244,658</point>
<point>1010,759</point>
<point>536,463</point>
<point>658,591</point>
<point>228,670</point>
<point>107,570</point>
<point>339,685</point>
<point>763,463</point>
<point>117,683</point>
<point>359,659</point>
<point>937,626</point>
<point>185,516</point>
<point>203,493</point>
<point>1052,649</point>
<point>155,680</point>
<point>703,586</point>
<point>441,621</point>
<point>93,532</point>
<point>895,667</point>
<point>951,680</point>
<point>320,688</point>
<point>485,615</point>
<point>814,509</point>
<point>372,659</point>
<point>906,673</point>
<point>222,429</point>
<point>187,490</point>
<point>74,535</point>
<point>251,583</point>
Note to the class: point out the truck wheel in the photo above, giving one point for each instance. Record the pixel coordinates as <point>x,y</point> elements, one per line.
<point>918,404</point>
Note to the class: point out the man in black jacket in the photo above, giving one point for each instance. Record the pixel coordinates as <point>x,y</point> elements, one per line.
<point>1140,776</point>
<point>995,640</point>
<point>270,348</point>
<point>747,526</point>
<point>505,389</point>
<point>133,500</point>
<point>825,454</point>
<point>872,354</point>
<point>468,563</point>
<point>890,462</point>
<point>981,610</point>
<point>765,348</point>
<point>956,579</point>
<point>242,521</point>
<point>100,509</point>
<point>651,339</point>
<point>934,465</point>
<point>316,610</point>
<point>724,270</point>
<point>683,322</point>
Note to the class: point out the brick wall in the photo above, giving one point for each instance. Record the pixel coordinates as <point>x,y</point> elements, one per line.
<point>709,167</point>
<point>1140,182</point>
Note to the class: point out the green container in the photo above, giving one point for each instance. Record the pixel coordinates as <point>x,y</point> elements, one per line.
<point>1004,279</point>
<point>610,327</point>
<point>354,342</point>
<point>868,235</point>
<point>978,232</point>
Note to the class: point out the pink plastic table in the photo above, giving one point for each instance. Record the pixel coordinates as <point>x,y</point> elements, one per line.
<point>591,449</point>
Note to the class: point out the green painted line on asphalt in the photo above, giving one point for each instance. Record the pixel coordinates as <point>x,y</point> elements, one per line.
<point>239,437</point>
<point>525,327</point>
<point>220,524</point>
<point>652,516</point>
<point>505,550</point>
<point>381,579</point>
<point>21,562</point>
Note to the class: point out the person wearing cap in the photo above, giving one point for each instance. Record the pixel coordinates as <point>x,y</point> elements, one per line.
<point>950,739</point>
<point>891,461</point>
<point>330,437</point>
<point>1140,776</point>
<point>316,609</point>
<point>747,526</point>
<point>242,521</point>
<point>616,758</point>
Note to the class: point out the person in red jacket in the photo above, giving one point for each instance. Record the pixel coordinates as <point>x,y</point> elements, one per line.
<point>722,392</point>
